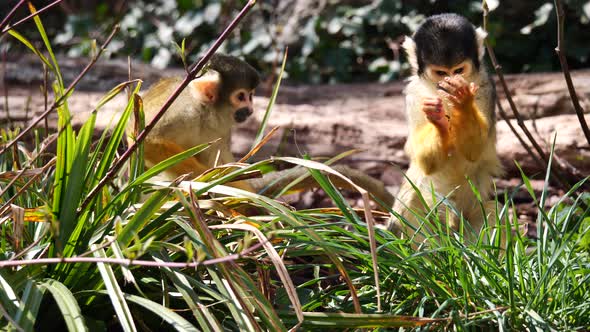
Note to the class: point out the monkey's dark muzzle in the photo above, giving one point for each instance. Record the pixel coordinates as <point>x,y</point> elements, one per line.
<point>242,114</point>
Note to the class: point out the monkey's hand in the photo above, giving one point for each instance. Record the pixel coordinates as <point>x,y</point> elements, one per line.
<point>457,91</point>
<point>433,110</point>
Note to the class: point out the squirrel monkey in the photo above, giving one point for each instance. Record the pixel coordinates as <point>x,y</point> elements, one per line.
<point>206,111</point>
<point>450,102</point>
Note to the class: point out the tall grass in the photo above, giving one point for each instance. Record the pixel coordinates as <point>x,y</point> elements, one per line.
<point>186,257</point>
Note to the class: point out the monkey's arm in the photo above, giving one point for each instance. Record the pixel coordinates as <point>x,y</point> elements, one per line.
<point>429,141</point>
<point>470,130</point>
<point>274,182</point>
<point>469,126</point>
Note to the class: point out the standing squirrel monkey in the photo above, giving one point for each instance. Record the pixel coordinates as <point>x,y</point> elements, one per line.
<point>450,102</point>
<point>206,111</point>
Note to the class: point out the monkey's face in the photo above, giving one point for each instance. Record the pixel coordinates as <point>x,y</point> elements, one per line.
<point>438,73</point>
<point>241,104</point>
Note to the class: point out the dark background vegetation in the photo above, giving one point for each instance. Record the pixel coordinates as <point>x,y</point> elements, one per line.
<point>329,41</point>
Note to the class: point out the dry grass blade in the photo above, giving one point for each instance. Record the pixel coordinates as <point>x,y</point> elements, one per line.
<point>259,145</point>
<point>24,188</point>
<point>277,262</point>
<point>23,173</point>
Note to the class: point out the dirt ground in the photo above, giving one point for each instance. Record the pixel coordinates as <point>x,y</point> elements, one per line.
<point>324,121</point>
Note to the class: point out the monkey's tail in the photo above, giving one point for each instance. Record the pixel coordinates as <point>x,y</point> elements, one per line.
<point>272,183</point>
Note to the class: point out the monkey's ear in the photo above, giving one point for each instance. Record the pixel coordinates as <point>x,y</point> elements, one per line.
<point>205,88</point>
<point>480,36</point>
<point>410,47</point>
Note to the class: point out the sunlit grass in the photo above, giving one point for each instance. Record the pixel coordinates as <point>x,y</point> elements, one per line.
<point>214,267</point>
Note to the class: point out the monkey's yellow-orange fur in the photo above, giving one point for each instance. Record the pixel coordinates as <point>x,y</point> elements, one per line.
<point>444,158</point>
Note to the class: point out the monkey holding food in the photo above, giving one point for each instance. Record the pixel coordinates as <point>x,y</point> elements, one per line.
<point>450,102</point>
<point>205,111</point>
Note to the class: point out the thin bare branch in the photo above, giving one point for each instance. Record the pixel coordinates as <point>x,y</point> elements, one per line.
<point>59,100</point>
<point>557,171</point>
<point>518,136</point>
<point>10,27</point>
<point>119,261</point>
<point>10,14</point>
<point>191,75</point>
<point>560,50</point>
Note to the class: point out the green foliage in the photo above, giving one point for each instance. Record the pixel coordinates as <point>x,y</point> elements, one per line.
<point>340,41</point>
<point>187,258</point>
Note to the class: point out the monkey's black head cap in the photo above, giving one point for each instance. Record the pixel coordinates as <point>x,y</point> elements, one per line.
<point>235,73</point>
<point>445,40</point>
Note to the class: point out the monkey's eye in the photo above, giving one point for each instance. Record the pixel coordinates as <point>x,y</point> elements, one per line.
<point>250,96</point>
<point>459,71</point>
<point>441,73</point>
<point>241,96</point>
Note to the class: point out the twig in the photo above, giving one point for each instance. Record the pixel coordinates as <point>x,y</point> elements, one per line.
<point>30,246</point>
<point>124,261</point>
<point>557,171</point>
<point>4,313</point>
<point>45,88</point>
<point>109,176</point>
<point>65,95</point>
<point>12,11</point>
<point>560,50</point>
<point>518,136</point>
<point>515,111</point>
<point>10,27</point>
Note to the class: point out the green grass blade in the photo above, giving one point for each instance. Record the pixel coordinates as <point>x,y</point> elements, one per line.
<point>43,34</point>
<point>163,165</point>
<point>67,304</point>
<point>175,320</point>
<point>75,183</point>
<point>28,44</point>
<point>8,298</point>
<point>114,291</point>
<point>143,216</point>
<point>329,320</point>
<point>30,303</point>
<point>207,321</point>
<point>271,102</point>
<point>110,151</point>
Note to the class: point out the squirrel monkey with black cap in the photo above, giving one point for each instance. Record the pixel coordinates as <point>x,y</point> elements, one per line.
<point>205,111</point>
<point>450,101</point>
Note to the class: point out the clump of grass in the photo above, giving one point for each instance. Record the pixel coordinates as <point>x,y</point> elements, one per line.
<point>186,258</point>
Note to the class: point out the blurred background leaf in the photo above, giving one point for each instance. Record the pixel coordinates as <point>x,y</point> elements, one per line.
<point>329,41</point>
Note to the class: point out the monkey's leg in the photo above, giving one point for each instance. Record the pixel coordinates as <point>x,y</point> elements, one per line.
<point>477,220</point>
<point>409,207</point>
<point>469,127</point>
